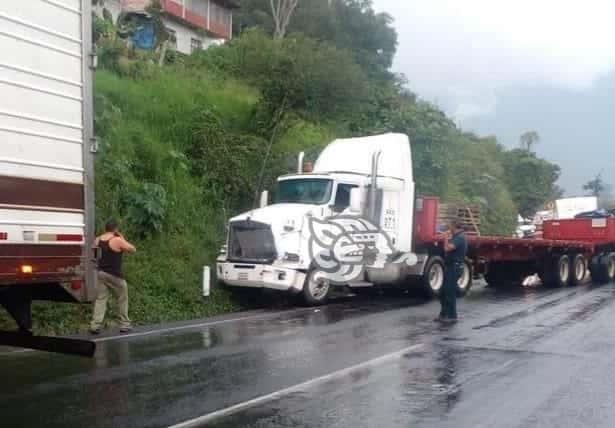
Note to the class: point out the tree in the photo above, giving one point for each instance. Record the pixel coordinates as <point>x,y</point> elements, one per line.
<point>348,24</point>
<point>370,35</point>
<point>311,78</point>
<point>282,11</point>
<point>595,187</point>
<point>531,180</point>
<point>528,140</point>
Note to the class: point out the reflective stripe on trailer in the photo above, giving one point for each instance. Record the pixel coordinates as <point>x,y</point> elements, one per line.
<point>50,237</point>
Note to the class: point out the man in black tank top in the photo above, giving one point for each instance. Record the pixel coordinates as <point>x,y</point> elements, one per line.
<point>110,277</point>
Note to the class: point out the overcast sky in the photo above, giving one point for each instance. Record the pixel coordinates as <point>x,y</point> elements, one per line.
<point>502,67</point>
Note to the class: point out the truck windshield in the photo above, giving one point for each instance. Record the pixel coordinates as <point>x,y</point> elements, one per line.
<point>314,191</point>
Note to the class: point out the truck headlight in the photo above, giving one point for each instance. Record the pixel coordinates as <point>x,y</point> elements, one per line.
<point>291,257</point>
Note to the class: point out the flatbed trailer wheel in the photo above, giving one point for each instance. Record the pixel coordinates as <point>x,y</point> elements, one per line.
<point>556,273</point>
<point>433,276</point>
<point>602,268</point>
<point>465,282</point>
<point>578,269</point>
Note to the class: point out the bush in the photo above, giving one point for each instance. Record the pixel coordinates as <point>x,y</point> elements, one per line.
<point>146,209</point>
<point>297,72</point>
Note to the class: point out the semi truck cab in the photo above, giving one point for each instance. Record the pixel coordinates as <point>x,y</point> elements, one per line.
<point>348,222</point>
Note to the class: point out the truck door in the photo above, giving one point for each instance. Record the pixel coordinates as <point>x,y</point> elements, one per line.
<point>390,215</point>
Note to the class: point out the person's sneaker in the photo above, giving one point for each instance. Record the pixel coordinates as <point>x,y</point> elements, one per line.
<point>449,320</point>
<point>125,329</point>
<point>438,319</point>
<point>94,331</point>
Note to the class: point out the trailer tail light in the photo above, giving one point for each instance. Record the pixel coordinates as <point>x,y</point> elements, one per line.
<point>26,269</point>
<point>69,238</point>
<point>76,285</point>
<point>4,236</point>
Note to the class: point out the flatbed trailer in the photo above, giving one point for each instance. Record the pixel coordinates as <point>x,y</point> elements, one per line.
<point>568,250</point>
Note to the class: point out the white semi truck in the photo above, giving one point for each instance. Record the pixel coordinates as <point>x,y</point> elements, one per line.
<point>355,222</point>
<point>348,222</point>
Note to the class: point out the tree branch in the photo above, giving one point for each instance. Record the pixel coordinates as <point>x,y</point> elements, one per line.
<point>282,11</point>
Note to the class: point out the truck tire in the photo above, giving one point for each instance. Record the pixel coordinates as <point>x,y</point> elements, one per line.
<point>465,282</point>
<point>433,276</point>
<point>556,273</point>
<point>578,269</point>
<point>602,269</point>
<point>316,289</point>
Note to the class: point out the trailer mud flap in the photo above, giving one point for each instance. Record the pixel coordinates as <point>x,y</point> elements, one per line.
<point>61,345</point>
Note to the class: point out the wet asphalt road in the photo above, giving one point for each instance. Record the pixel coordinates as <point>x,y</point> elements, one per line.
<point>519,358</point>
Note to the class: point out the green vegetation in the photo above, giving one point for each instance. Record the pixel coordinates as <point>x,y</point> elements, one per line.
<point>183,145</point>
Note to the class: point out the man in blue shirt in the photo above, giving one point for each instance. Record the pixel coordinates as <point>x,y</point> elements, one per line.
<point>455,248</point>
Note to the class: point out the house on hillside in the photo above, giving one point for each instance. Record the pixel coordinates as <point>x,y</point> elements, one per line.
<point>194,24</point>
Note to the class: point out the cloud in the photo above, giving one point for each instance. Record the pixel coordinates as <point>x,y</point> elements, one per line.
<point>459,54</point>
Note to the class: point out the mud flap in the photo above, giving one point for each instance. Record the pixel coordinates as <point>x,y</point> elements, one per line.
<point>19,307</point>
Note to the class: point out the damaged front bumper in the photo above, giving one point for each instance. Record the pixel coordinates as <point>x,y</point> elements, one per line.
<point>261,276</point>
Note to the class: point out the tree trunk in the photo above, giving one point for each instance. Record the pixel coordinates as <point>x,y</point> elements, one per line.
<point>163,53</point>
<point>282,11</point>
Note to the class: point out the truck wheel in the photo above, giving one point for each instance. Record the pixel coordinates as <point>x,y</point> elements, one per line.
<point>433,277</point>
<point>602,269</point>
<point>578,269</point>
<point>465,282</point>
<point>316,289</point>
<point>557,272</point>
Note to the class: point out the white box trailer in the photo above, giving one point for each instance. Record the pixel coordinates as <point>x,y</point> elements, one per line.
<point>568,208</point>
<point>46,155</point>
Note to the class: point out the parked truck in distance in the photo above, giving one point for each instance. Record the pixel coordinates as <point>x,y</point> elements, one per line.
<point>46,162</point>
<point>354,221</point>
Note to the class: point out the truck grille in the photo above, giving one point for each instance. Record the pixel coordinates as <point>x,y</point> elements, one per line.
<point>252,242</point>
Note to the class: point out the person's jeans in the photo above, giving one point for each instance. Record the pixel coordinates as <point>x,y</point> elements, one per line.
<point>448,294</point>
<point>108,284</point>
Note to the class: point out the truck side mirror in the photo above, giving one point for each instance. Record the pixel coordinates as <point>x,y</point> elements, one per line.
<point>355,200</point>
<point>264,198</point>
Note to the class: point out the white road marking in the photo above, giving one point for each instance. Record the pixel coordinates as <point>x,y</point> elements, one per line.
<point>187,327</point>
<point>201,420</point>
